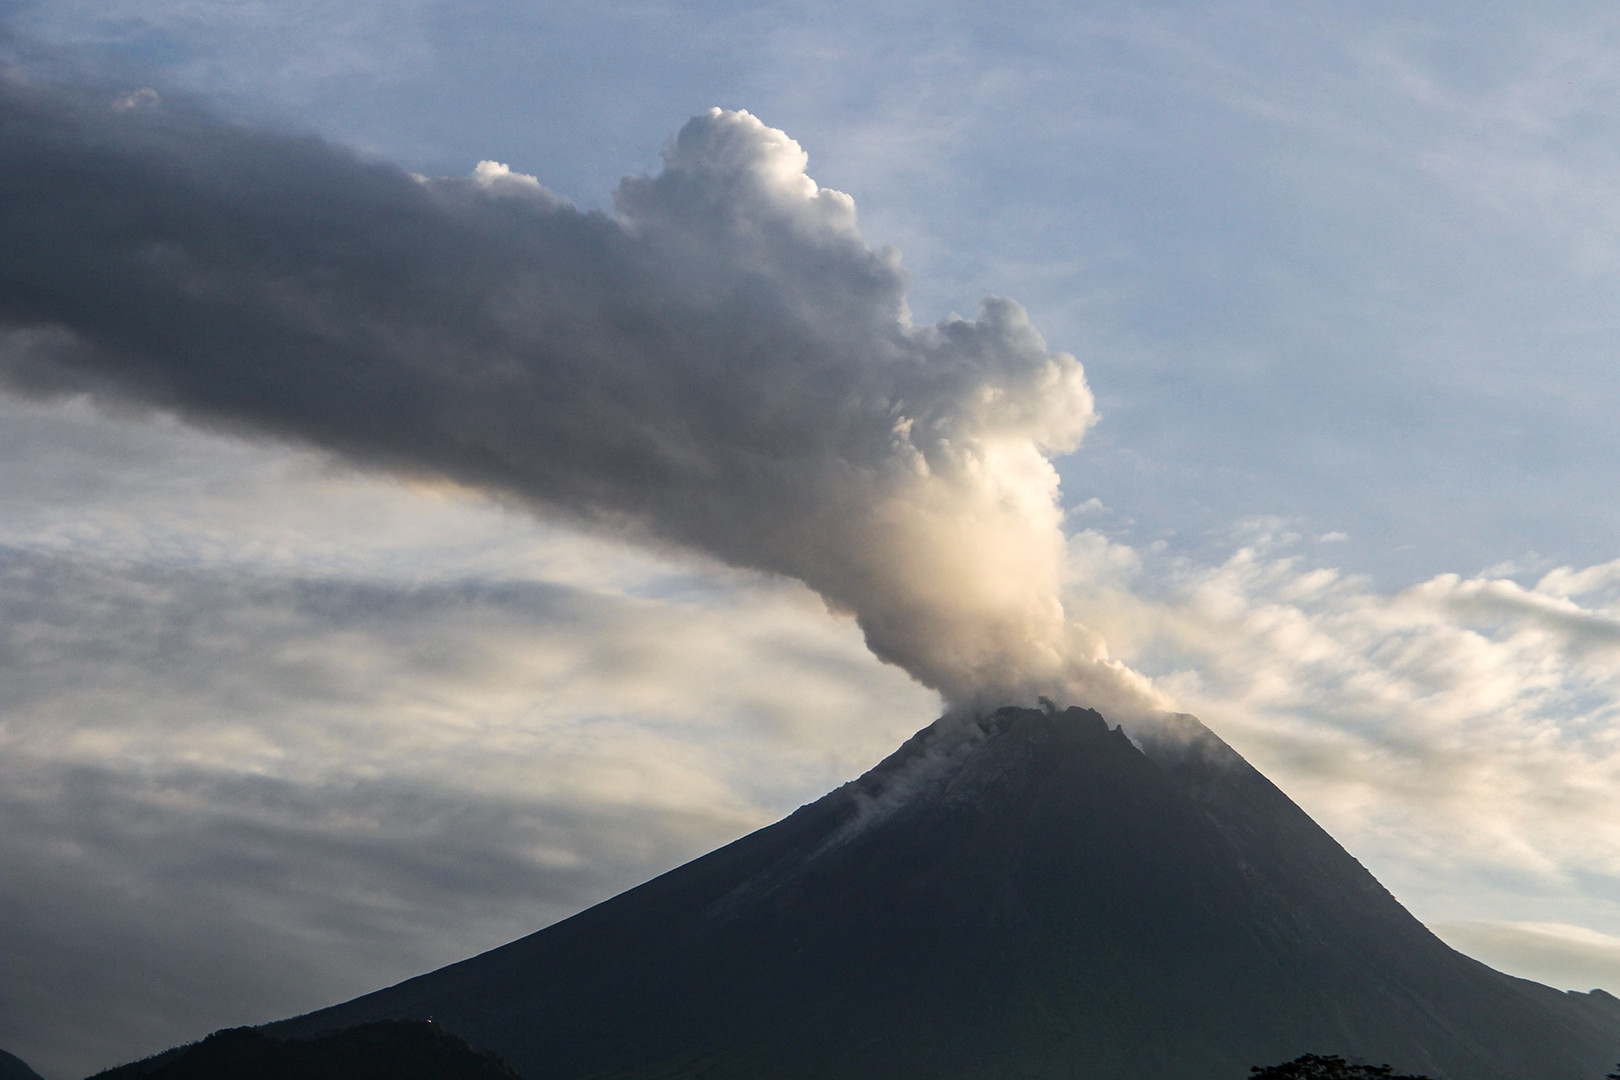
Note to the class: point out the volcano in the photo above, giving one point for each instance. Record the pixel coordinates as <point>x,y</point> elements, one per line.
<point>1034,894</point>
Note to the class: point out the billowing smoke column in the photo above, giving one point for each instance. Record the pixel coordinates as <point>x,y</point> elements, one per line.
<point>722,365</point>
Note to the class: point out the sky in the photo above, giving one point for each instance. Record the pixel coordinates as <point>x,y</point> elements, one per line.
<point>352,625</point>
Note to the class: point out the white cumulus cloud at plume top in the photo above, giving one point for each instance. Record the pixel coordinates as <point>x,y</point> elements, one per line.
<point>722,365</point>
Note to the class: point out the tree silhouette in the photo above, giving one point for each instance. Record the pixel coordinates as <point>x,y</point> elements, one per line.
<point>1317,1067</point>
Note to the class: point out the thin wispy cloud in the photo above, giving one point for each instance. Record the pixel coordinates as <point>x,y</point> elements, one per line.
<point>1468,724</point>
<point>231,794</point>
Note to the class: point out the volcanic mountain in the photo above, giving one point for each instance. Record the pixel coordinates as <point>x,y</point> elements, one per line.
<point>13,1067</point>
<point>1034,894</point>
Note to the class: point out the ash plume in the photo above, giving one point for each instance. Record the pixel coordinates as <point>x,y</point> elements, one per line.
<point>722,364</point>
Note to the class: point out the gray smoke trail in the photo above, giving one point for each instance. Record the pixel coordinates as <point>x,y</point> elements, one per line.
<point>723,364</point>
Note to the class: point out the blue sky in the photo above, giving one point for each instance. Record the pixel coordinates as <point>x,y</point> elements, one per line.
<point>1341,283</point>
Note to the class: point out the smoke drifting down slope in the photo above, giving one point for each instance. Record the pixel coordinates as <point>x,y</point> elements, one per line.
<point>723,364</point>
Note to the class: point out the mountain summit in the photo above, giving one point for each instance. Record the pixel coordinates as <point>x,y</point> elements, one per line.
<point>1032,895</point>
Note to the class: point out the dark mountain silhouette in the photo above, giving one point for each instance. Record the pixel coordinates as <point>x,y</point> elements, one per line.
<point>381,1050</point>
<point>1032,895</point>
<point>13,1067</point>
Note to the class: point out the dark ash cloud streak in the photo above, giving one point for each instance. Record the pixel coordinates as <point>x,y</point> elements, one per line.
<point>723,364</point>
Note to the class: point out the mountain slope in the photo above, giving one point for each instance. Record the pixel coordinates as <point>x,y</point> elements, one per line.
<point>13,1067</point>
<point>1032,896</point>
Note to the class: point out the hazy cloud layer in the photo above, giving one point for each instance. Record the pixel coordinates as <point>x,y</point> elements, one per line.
<point>147,906</point>
<point>1461,736</point>
<point>228,795</point>
<point>724,365</point>
<point>1557,954</point>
